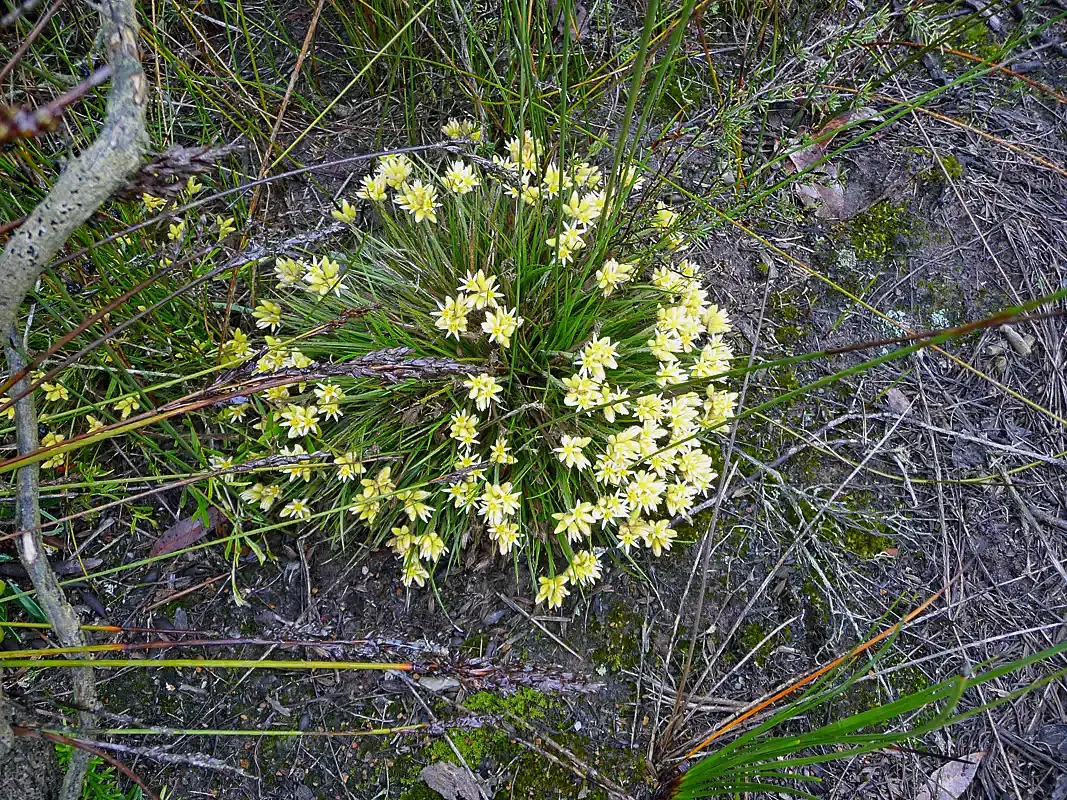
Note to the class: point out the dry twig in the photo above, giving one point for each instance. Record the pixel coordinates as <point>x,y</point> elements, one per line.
<point>22,122</point>
<point>86,184</point>
<point>91,178</point>
<point>49,594</point>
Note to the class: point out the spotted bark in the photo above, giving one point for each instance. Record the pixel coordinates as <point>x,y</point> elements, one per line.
<point>93,176</point>
<point>80,190</point>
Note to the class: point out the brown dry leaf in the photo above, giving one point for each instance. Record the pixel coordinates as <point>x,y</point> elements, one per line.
<point>897,401</point>
<point>857,115</point>
<point>805,157</point>
<point>185,532</point>
<point>951,781</point>
<point>824,191</point>
<point>452,782</point>
<point>827,199</point>
<point>579,18</point>
<point>1022,345</point>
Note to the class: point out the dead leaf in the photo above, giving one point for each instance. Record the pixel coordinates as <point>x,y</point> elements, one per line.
<point>274,703</point>
<point>579,18</point>
<point>824,191</point>
<point>452,782</point>
<point>804,157</point>
<point>855,116</point>
<point>951,781</point>
<point>897,401</point>
<point>181,619</point>
<point>828,200</point>
<point>439,683</point>
<point>1022,345</point>
<point>185,532</point>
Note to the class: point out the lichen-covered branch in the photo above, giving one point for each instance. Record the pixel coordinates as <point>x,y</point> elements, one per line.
<point>7,739</point>
<point>34,558</point>
<point>93,176</point>
<point>80,190</point>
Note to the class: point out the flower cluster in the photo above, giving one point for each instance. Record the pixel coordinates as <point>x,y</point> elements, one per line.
<point>57,395</point>
<point>74,402</point>
<point>592,387</point>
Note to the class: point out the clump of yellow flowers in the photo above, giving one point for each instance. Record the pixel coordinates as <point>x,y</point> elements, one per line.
<point>593,366</point>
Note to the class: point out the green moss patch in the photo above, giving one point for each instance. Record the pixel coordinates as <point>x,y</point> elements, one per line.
<point>490,750</point>
<point>618,638</point>
<point>882,230</point>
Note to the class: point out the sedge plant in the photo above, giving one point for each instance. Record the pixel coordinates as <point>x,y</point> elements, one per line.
<point>101,782</point>
<point>591,359</point>
<point>776,756</point>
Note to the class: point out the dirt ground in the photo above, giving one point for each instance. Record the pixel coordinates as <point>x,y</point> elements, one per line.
<point>838,515</point>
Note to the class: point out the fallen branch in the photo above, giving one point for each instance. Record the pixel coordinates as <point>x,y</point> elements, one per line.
<point>390,365</point>
<point>255,253</point>
<point>85,749</point>
<point>161,754</point>
<point>79,191</point>
<point>165,175</point>
<point>50,596</point>
<point>92,177</point>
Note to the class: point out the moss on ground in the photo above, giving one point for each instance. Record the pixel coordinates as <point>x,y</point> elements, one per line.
<point>789,310</point>
<point>978,40</point>
<point>490,749</point>
<point>475,646</point>
<point>868,537</point>
<point>882,230</point>
<point>787,306</point>
<point>481,744</point>
<point>945,299</point>
<point>864,543</point>
<point>789,335</point>
<point>952,166</point>
<point>860,531</point>
<point>618,640</point>
<point>750,638</point>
